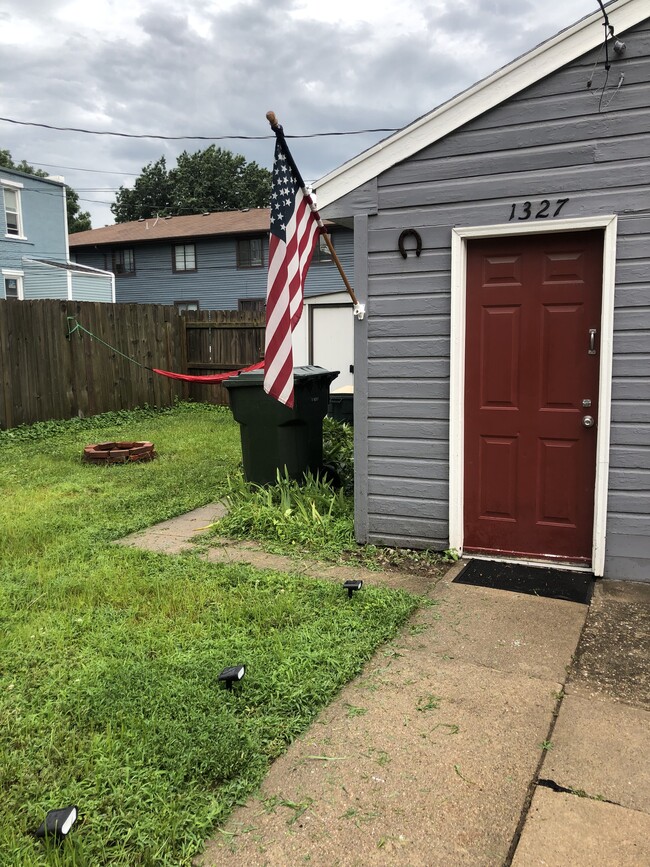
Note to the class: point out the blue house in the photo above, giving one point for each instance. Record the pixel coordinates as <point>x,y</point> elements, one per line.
<point>213,261</point>
<point>34,244</point>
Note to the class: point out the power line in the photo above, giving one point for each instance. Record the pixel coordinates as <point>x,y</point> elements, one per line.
<point>191,137</point>
<point>79,169</point>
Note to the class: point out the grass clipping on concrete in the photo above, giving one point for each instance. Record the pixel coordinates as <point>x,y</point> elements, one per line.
<point>109,656</point>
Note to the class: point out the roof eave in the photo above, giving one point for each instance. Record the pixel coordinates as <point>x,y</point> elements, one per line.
<point>527,69</point>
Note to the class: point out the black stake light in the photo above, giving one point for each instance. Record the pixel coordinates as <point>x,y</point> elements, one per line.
<point>352,586</point>
<point>57,824</point>
<point>231,675</point>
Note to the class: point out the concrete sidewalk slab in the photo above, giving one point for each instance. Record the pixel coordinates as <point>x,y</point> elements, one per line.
<point>600,745</point>
<point>434,766</point>
<point>175,535</point>
<point>508,631</point>
<point>427,757</point>
<point>601,748</point>
<point>563,830</point>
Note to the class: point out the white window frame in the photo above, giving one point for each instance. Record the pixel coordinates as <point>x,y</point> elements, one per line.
<point>459,238</point>
<point>15,187</point>
<point>11,274</point>
<point>184,269</point>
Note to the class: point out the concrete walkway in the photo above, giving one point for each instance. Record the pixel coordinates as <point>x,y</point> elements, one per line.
<point>473,738</point>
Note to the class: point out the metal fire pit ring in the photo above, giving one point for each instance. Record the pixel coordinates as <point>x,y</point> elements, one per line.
<point>119,452</point>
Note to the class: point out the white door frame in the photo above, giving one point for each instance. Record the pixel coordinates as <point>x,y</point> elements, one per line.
<point>459,238</point>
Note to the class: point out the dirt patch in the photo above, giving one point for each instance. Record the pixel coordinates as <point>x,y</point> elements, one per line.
<point>404,560</point>
<point>619,618</point>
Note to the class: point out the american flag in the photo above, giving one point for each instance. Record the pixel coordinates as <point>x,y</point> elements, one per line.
<point>295,228</point>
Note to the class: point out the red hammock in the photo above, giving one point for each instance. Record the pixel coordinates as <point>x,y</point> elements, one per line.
<point>218,377</point>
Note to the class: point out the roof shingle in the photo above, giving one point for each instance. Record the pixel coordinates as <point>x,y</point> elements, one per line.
<point>255,220</point>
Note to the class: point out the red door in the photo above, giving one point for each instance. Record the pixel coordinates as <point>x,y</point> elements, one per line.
<point>531,388</point>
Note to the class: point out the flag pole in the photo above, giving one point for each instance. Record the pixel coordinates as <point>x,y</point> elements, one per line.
<point>359,309</point>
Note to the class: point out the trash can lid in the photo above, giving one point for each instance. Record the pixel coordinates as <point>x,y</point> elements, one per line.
<point>303,373</point>
<point>307,371</point>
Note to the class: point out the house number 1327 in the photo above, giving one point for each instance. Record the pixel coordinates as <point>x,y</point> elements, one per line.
<point>536,210</point>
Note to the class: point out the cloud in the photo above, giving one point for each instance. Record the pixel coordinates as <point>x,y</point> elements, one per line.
<point>210,68</point>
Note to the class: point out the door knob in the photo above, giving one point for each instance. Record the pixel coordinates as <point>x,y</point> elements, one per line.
<point>588,421</point>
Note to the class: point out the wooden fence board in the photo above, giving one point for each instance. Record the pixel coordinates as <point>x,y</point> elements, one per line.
<point>44,374</point>
<point>219,341</point>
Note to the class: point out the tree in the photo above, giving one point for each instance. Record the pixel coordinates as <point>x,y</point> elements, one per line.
<point>210,180</point>
<point>151,194</point>
<point>78,220</point>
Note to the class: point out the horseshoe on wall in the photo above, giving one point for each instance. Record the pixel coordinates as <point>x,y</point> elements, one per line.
<point>410,233</point>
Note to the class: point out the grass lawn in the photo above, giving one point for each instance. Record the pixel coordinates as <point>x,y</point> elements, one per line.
<point>109,656</point>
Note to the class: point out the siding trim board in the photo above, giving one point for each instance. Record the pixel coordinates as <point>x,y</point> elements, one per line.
<point>459,238</point>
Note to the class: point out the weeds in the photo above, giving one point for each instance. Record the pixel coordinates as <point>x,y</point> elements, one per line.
<point>311,517</point>
<point>338,451</point>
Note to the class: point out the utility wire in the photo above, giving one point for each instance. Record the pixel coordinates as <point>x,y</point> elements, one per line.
<point>191,137</point>
<point>79,169</point>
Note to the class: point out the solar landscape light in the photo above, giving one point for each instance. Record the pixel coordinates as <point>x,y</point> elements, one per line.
<point>352,586</point>
<point>57,824</point>
<point>231,675</point>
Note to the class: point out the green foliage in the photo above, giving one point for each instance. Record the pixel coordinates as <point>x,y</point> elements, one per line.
<point>338,450</point>
<point>57,427</point>
<point>109,655</point>
<point>213,179</point>
<point>22,166</point>
<point>308,517</point>
<point>78,220</point>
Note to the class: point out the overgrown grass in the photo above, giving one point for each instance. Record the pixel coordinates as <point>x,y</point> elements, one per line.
<point>109,656</point>
<point>314,518</point>
<point>307,518</point>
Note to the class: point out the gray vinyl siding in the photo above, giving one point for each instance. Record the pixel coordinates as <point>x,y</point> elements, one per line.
<point>218,283</point>
<point>88,287</point>
<point>43,281</point>
<point>548,142</point>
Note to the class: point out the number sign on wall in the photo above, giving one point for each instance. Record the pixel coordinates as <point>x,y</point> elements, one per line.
<point>536,210</point>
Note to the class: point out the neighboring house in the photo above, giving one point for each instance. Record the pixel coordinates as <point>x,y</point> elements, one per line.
<point>502,374</point>
<point>34,244</point>
<point>214,261</point>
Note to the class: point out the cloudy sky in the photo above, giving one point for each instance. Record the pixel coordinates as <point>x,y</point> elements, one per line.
<point>214,67</point>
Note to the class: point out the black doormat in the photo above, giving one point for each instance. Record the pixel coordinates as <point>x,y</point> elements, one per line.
<point>534,580</point>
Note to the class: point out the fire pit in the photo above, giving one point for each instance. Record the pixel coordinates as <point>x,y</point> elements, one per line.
<point>119,453</point>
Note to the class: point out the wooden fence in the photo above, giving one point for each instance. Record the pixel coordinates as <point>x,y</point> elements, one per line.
<point>218,341</point>
<point>47,373</point>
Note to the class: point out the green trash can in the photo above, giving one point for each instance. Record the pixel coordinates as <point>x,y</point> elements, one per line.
<point>274,436</point>
<point>341,405</point>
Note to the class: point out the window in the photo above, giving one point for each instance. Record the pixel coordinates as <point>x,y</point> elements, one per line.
<point>13,216</point>
<point>123,262</point>
<point>322,254</point>
<point>184,257</point>
<point>249,253</point>
<point>13,284</point>
<point>182,306</point>
<point>255,305</point>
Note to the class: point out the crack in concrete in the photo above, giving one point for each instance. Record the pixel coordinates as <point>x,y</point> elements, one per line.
<point>571,790</point>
